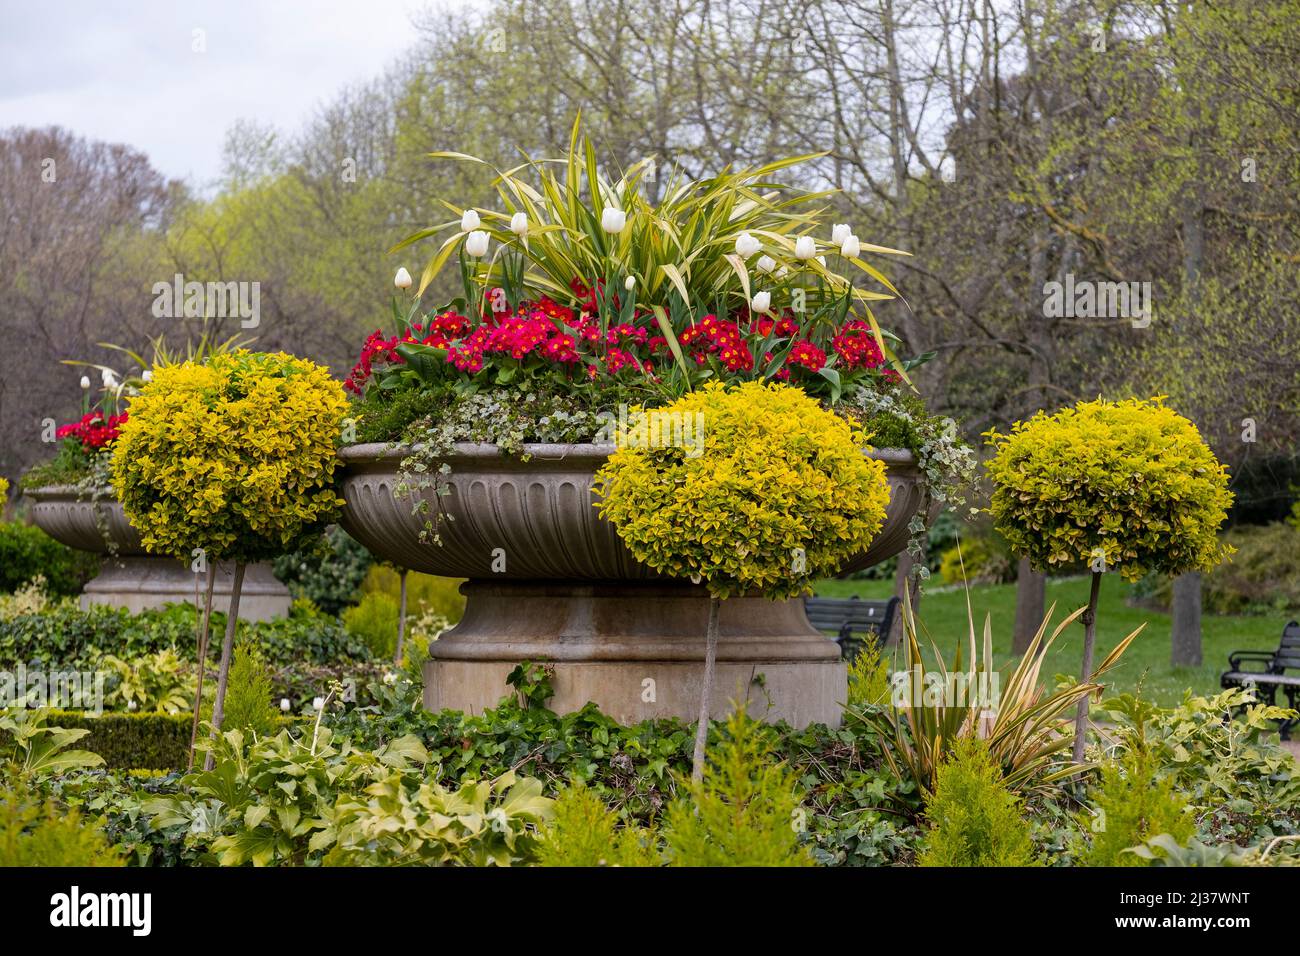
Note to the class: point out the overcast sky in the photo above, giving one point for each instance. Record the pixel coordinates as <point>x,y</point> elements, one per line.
<point>127,71</point>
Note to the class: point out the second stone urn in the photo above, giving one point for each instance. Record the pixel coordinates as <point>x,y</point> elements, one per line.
<point>132,578</point>
<point>550,582</point>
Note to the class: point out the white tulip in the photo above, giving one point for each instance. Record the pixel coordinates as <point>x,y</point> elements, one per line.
<point>851,248</point>
<point>519,223</point>
<point>762,302</point>
<point>318,703</point>
<point>766,263</point>
<point>839,232</point>
<point>629,283</point>
<point>805,248</point>
<point>284,704</point>
<point>108,378</point>
<point>469,221</point>
<point>132,706</point>
<point>822,261</point>
<point>746,245</point>
<point>147,375</point>
<point>476,243</point>
<point>85,383</point>
<point>613,220</point>
<point>403,279</point>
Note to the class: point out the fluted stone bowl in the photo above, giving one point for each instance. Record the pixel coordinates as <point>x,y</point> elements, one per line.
<point>534,513</point>
<point>130,576</point>
<point>550,581</point>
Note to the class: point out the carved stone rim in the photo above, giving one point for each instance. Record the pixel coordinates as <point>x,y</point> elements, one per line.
<point>73,493</point>
<point>390,453</point>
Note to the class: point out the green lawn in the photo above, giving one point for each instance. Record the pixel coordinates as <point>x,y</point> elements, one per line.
<point>1146,665</point>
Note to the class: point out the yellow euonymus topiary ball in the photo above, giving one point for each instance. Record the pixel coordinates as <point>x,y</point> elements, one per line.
<point>1132,482</point>
<point>780,494</point>
<point>235,455</point>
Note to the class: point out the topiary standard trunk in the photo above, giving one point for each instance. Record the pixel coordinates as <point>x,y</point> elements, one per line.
<point>1089,641</point>
<point>702,728</point>
<point>1185,621</point>
<point>205,631</point>
<point>227,651</point>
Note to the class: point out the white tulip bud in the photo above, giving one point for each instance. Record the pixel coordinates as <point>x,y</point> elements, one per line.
<point>519,223</point>
<point>108,378</point>
<point>629,283</point>
<point>822,261</point>
<point>85,383</point>
<point>851,248</point>
<point>132,706</point>
<point>147,375</point>
<point>403,279</point>
<point>613,220</point>
<point>469,221</point>
<point>766,264</point>
<point>476,243</point>
<point>805,248</point>
<point>839,232</point>
<point>762,302</point>
<point>284,704</point>
<point>746,245</point>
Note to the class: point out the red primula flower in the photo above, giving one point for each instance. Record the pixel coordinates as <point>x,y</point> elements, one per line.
<point>93,430</point>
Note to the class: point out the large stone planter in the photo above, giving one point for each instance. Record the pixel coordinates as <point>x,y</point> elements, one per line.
<point>550,581</point>
<point>132,578</point>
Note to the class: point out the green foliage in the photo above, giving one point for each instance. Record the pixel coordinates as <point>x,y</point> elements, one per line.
<point>384,415</point>
<point>27,552</point>
<point>1241,784</point>
<point>248,705</point>
<point>745,812</point>
<point>161,681</point>
<point>424,592</point>
<point>585,832</point>
<point>133,740</point>
<point>235,456</point>
<point>1133,803</point>
<point>869,676</point>
<point>40,748</point>
<point>780,495</point>
<point>980,558</point>
<point>72,464</point>
<point>1130,481</point>
<point>328,573</point>
<point>373,621</point>
<point>974,818</point>
<point>1164,850</point>
<point>532,683</point>
<point>320,799</point>
<point>1261,577</point>
<point>933,706</point>
<point>38,832</point>
<point>66,636</point>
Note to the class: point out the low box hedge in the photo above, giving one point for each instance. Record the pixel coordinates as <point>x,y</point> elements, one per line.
<point>135,741</point>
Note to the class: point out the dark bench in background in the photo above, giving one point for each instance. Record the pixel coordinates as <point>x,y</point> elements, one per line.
<point>1268,672</point>
<point>852,620</point>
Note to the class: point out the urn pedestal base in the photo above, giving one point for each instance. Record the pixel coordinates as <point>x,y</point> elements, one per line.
<point>139,582</point>
<point>636,651</point>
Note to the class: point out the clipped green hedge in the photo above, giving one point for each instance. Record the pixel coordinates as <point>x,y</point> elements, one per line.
<point>131,741</point>
<point>135,741</point>
<point>26,551</point>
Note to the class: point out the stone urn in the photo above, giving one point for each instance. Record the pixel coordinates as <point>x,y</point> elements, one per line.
<point>550,581</point>
<point>132,578</point>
